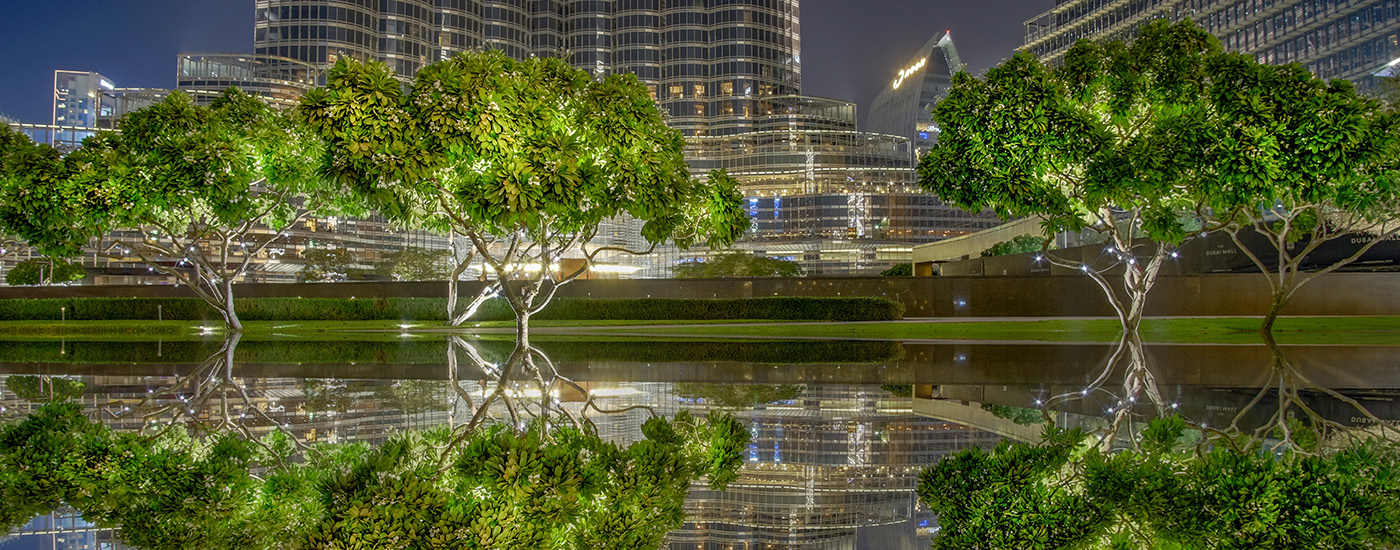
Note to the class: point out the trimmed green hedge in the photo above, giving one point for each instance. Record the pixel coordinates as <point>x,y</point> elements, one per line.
<point>434,309</point>
<point>434,352</point>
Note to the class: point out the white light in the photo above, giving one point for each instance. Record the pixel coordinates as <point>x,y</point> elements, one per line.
<point>906,73</point>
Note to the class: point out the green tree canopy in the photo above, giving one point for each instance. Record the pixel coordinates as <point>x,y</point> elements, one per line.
<point>1298,160</point>
<point>327,264</point>
<point>204,188</point>
<point>498,488</point>
<point>738,264</point>
<point>44,271</point>
<point>1019,244</point>
<point>39,202</point>
<point>522,158</point>
<point>1167,491</point>
<point>1107,143</point>
<point>416,264</point>
<point>899,270</point>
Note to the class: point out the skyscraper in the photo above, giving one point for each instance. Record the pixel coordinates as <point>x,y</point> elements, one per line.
<point>78,98</point>
<point>708,62</point>
<point>1348,39</point>
<point>905,106</point>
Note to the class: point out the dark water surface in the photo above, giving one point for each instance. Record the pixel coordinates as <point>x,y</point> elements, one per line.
<point>840,429</point>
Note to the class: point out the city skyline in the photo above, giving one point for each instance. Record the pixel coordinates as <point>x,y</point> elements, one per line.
<point>843,58</point>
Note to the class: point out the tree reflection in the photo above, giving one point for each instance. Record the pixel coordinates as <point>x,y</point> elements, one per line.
<point>1281,473</point>
<point>202,462</point>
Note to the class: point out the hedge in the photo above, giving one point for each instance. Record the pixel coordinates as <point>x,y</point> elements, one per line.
<point>434,352</point>
<point>434,309</point>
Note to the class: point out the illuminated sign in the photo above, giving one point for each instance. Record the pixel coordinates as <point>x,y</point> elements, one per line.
<point>903,74</point>
<point>105,84</point>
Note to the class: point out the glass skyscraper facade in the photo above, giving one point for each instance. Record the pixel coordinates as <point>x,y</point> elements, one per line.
<point>707,62</point>
<point>1347,39</point>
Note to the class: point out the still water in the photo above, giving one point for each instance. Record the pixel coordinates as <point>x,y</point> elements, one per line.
<point>839,429</point>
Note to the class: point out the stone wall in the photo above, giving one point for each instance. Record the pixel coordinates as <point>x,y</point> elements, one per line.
<point>1035,296</point>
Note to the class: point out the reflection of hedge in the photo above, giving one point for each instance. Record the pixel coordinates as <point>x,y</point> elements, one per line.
<point>35,388</point>
<point>435,351</point>
<point>434,309</point>
<point>738,395</point>
<point>1017,415</point>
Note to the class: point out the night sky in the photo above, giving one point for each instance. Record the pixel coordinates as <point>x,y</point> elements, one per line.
<point>850,48</point>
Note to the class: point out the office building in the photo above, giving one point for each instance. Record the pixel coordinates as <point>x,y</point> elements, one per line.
<point>279,80</point>
<point>707,61</point>
<point>905,106</point>
<point>1348,39</point>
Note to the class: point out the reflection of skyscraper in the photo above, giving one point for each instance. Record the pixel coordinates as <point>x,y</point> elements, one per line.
<point>834,468</point>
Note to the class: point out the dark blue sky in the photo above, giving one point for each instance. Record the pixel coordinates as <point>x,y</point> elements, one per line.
<point>851,48</point>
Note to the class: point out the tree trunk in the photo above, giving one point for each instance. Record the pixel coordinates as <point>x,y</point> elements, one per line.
<point>522,328</point>
<point>230,316</point>
<point>451,300</point>
<point>1276,303</point>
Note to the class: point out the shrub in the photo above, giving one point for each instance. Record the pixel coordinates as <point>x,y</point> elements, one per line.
<point>433,309</point>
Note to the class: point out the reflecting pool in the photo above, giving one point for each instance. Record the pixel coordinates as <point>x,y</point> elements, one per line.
<point>839,430</point>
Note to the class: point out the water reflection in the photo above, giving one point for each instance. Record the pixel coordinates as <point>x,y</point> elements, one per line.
<point>837,440</point>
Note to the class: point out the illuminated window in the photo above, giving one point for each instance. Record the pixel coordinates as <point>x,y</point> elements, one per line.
<point>727,88</point>
<point>675,90</point>
<point>699,110</point>
<point>699,90</point>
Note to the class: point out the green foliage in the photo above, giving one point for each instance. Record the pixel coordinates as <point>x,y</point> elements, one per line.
<point>424,351</point>
<point>737,264</point>
<point>415,264</point>
<point>1113,131</point>
<point>327,264</point>
<point>1019,244</point>
<point>899,270</point>
<point>44,271</point>
<point>738,396</point>
<point>39,388</point>
<point>191,183</point>
<point>1018,415</point>
<point>1167,493</point>
<point>39,201</point>
<point>487,145</point>
<point>430,309</point>
<point>503,488</point>
<point>899,390</point>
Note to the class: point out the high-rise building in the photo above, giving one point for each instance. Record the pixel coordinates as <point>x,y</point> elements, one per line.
<point>1347,39</point>
<point>708,62</point>
<point>78,98</point>
<point>905,106</point>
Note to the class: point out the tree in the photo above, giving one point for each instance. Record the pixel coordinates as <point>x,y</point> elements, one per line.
<point>44,271</point>
<point>738,264</point>
<point>1106,143</point>
<point>899,270</point>
<point>416,264</point>
<point>1019,244</point>
<point>522,159</point>
<point>205,189</point>
<point>327,264</point>
<point>1300,162</point>
<point>40,204</point>
<point>40,388</point>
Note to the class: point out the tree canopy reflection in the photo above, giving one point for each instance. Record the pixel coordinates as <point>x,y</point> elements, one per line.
<point>209,467</point>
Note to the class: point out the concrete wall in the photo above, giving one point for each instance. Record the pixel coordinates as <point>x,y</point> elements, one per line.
<point>1047,295</point>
